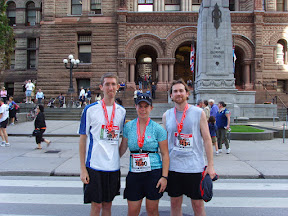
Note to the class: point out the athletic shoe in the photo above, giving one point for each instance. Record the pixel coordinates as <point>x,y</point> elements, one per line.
<point>217,153</point>
<point>228,151</point>
<point>12,124</point>
<point>7,144</point>
<point>220,150</point>
<point>3,144</point>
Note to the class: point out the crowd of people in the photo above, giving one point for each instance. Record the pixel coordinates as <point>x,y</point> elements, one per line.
<point>218,117</point>
<point>181,144</point>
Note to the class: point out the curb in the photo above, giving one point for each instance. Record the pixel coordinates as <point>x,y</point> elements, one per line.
<point>46,135</point>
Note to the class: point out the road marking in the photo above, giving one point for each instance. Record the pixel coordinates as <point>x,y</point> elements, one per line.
<point>79,184</point>
<point>255,202</point>
<point>44,183</point>
<point>59,199</point>
<point>250,186</point>
<point>63,199</point>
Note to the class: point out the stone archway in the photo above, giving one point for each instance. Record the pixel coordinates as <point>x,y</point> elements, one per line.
<point>179,48</point>
<point>146,66</point>
<point>139,45</point>
<point>244,67</point>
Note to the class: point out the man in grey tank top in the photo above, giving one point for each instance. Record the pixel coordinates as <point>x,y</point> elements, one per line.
<point>188,135</point>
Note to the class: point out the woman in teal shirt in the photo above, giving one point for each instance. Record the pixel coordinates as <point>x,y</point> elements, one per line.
<point>147,175</point>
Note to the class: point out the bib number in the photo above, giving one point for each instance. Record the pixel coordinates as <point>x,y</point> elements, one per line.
<point>183,142</point>
<point>112,137</point>
<point>140,163</point>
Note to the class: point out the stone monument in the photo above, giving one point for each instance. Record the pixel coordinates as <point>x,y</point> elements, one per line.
<point>214,76</point>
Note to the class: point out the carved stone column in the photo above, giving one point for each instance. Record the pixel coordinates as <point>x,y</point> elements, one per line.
<point>160,72</point>
<point>182,5</point>
<point>135,5</point>
<point>131,83</point>
<point>247,74</point>
<point>171,72</point>
<point>155,6</point>
<point>165,73</point>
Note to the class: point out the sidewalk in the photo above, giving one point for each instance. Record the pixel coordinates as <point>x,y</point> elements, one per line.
<point>248,159</point>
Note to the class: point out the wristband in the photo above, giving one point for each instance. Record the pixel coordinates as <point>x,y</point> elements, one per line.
<point>164,177</point>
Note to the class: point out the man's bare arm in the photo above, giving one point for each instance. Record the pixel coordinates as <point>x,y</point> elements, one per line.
<point>82,154</point>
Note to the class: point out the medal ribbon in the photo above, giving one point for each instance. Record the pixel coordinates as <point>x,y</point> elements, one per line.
<point>180,125</point>
<point>109,125</point>
<point>141,138</point>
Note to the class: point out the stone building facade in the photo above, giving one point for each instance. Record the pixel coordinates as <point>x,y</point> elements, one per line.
<point>132,38</point>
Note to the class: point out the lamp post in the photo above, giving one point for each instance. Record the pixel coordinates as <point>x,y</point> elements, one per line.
<point>73,64</point>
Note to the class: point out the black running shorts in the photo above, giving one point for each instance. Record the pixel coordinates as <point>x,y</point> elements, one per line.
<point>140,185</point>
<point>184,183</point>
<point>102,187</point>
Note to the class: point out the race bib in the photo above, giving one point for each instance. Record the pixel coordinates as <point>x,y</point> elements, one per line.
<point>183,142</point>
<point>140,163</point>
<point>111,137</point>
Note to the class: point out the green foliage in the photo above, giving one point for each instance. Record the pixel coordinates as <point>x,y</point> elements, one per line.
<point>244,129</point>
<point>7,41</point>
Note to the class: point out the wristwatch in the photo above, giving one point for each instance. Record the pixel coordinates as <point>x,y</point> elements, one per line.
<point>166,177</point>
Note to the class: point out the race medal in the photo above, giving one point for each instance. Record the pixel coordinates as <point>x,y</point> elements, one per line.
<point>140,140</point>
<point>140,163</point>
<point>109,124</point>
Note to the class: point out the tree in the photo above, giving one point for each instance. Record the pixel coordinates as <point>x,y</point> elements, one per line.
<point>7,41</point>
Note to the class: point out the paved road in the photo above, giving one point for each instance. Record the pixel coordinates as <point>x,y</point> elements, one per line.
<point>24,195</point>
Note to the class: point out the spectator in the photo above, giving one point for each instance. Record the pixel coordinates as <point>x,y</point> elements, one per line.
<point>199,103</point>
<point>39,96</point>
<point>40,125</point>
<point>145,81</point>
<point>190,83</point>
<point>153,89</point>
<point>223,125</point>
<point>4,114</point>
<point>135,95</point>
<point>3,94</point>
<point>82,96</point>
<point>118,101</point>
<point>61,100</point>
<point>29,88</point>
<point>12,110</point>
<point>214,108</point>
<point>206,109</point>
<point>213,132</point>
<point>140,81</point>
<point>122,86</point>
<point>88,95</point>
<point>98,97</point>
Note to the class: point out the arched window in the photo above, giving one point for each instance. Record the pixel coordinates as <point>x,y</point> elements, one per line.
<point>11,13</point>
<point>281,52</point>
<point>30,14</point>
<point>145,5</point>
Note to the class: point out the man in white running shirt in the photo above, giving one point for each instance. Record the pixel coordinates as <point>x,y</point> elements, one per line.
<point>100,127</point>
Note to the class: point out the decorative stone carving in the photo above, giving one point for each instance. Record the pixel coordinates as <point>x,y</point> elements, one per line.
<point>172,18</point>
<point>217,84</point>
<point>242,19</point>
